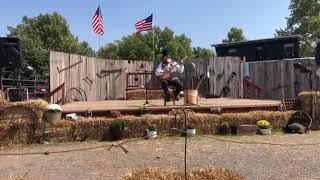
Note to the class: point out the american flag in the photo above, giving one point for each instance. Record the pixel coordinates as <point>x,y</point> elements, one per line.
<point>97,24</point>
<point>144,25</point>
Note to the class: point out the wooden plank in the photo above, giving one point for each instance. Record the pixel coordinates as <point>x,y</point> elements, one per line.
<point>91,72</point>
<point>241,77</point>
<point>289,81</point>
<point>53,73</point>
<point>83,80</point>
<point>98,82</point>
<point>105,82</point>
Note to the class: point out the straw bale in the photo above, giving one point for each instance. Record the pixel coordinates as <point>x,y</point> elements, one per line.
<point>141,94</point>
<point>20,130</point>
<point>305,99</point>
<point>172,174</point>
<point>310,103</point>
<point>61,131</point>
<point>35,109</point>
<point>2,97</point>
<point>17,133</point>
<point>98,128</point>
<point>92,128</point>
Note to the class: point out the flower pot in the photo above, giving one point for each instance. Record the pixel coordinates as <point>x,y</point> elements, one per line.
<point>151,134</point>
<point>53,116</point>
<point>191,132</point>
<point>265,131</point>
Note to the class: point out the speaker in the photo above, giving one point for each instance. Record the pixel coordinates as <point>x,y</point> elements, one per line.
<point>317,55</point>
<point>10,52</point>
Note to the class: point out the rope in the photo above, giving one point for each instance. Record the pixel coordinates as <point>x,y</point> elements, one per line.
<point>107,147</point>
<point>251,142</point>
<point>52,152</point>
<point>120,145</point>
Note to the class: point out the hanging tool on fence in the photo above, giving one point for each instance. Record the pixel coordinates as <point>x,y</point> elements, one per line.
<point>105,72</point>
<point>70,66</point>
<point>89,81</point>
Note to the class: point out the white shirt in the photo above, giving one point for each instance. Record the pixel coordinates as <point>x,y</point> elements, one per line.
<point>177,68</point>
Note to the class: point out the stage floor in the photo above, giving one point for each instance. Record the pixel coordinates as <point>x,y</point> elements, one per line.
<point>232,105</point>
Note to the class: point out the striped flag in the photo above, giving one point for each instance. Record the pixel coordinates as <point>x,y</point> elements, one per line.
<point>144,25</point>
<point>97,24</point>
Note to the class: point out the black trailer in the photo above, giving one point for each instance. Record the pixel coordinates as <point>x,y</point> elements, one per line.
<point>285,47</point>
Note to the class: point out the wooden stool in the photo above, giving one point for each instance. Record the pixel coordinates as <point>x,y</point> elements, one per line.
<point>171,93</point>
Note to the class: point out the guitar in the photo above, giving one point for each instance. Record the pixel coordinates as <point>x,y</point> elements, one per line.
<point>168,70</point>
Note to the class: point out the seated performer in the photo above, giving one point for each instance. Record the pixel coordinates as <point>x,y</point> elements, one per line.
<point>165,70</point>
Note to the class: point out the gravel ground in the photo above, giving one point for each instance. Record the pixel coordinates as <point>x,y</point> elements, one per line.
<point>254,161</point>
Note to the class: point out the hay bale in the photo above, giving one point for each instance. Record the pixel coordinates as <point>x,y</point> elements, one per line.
<point>141,94</point>
<point>92,128</point>
<point>27,131</point>
<point>2,97</point>
<point>310,103</point>
<point>305,99</point>
<point>38,107</point>
<point>61,131</point>
<point>172,174</point>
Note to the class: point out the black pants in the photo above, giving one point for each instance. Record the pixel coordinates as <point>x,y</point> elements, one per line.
<point>175,83</point>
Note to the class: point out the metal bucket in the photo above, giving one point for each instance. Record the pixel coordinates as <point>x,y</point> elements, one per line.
<point>191,97</point>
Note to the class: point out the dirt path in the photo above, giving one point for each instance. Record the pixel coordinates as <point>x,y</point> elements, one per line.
<point>253,161</point>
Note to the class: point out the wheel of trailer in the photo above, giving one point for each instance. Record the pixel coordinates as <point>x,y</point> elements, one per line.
<point>75,94</point>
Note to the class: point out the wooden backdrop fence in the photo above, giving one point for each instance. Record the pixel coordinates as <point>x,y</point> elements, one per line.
<point>100,79</point>
<point>280,79</point>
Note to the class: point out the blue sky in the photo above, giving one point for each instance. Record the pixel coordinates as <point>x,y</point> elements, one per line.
<point>204,21</point>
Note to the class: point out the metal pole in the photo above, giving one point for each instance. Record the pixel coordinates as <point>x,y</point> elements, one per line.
<point>99,50</point>
<point>145,84</point>
<point>185,145</point>
<point>153,52</point>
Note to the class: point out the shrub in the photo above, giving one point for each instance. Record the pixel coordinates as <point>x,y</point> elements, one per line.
<point>152,127</point>
<point>143,109</point>
<point>225,128</point>
<point>116,130</point>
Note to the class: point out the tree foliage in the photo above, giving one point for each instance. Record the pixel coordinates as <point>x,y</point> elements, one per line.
<point>140,46</point>
<point>304,20</point>
<point>43,33</point>
<point>234,35</point>
<point>199,52</point>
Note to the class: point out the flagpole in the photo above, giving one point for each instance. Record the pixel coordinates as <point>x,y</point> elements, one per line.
<point>153,58</point>
<point>153,47</point>
<point>99,47</point>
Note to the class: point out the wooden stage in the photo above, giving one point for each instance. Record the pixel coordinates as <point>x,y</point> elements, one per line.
<point>213,105</point>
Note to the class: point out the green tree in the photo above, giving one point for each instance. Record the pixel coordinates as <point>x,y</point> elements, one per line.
<point>199,52</point>
<point>304,20</point>
<point>141,47</point>
<point>43,33</point>
<point>234,35</point>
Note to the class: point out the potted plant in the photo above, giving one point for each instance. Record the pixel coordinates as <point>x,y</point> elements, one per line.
<point>225,128</point>
<point>264,127</point>
<point>143,110</point>
<point>191,131</point>
<point>54,112</point>
<point>152,131</point>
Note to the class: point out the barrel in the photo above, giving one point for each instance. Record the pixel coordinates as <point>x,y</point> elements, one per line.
<point>191,97</point>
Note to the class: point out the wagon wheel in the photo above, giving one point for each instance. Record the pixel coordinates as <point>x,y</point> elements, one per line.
<point>75,94</point>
